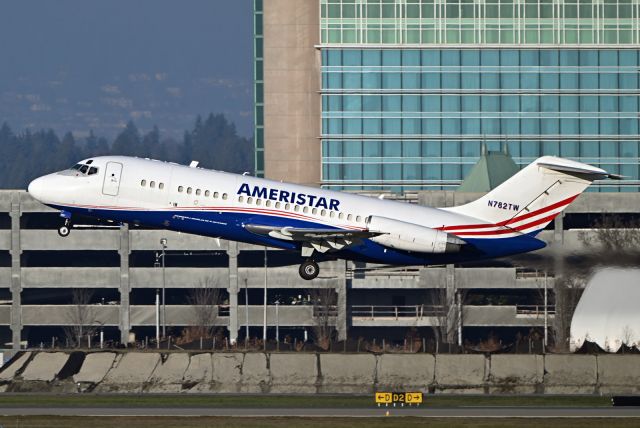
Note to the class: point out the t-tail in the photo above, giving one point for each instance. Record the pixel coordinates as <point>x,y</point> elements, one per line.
<point>529,200</point>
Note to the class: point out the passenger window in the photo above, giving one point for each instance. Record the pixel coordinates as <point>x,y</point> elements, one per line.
<point>152,184</point>
<point>267,204</point>
<point>358,219</point>
<point>180,189</point>
<point>314,211</point>
<point>224,196</point>
<point>197,192</point>
<point>240,198</point>
<point>161,186</point>
<point>143,183</point>
<point>206,193</point>
<point>278,205</point>
<point>249,200</point>
<point>323,213</point>
<point>287,207</point>
<point>258,201</point>
<point>215,195</point>
<point>341,216</point>
<point>189,190</point>
<point>296,208</point>
<point>332,214</point>
<point>349,217</point>
<point>305,210</point>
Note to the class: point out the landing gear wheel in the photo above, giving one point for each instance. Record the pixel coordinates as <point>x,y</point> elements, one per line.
<point>65,229</point>
<point>309,270</point>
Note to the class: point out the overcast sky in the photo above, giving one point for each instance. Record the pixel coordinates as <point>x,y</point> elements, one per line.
<point>79,64</point>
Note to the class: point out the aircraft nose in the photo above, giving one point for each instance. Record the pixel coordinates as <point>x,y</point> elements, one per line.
<point>37,188</point>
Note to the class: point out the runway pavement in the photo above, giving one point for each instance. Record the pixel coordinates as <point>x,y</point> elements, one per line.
<point>459,412</point>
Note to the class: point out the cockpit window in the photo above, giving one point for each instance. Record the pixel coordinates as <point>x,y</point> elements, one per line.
<point>83,169</point>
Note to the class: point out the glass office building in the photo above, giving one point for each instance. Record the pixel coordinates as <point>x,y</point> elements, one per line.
<point>412,89</point>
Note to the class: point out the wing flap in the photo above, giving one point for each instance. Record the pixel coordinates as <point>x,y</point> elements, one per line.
<point>322,240</point>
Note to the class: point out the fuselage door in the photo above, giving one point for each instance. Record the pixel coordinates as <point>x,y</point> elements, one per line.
<point>112,174</point>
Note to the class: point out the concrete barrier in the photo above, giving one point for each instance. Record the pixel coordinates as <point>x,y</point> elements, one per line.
<point>460,373</point>
<point>521,374</point>
<point>227,372</point>
<point>237,372</point>
<point>347,373</point>
<point>293,373</point>
<point>570,374</point>
<point>618,374</point>
<point>198,376</point>
<point>130,373</point>
<point>168,375</point>
<point>95,368</point>
<point>9,372</point>
<point>45,366</point>
<point>406,372</point>
<point>255,373</point>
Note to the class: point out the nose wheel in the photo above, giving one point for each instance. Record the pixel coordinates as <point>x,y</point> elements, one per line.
<point>309,270</point>
<point>65,229</point>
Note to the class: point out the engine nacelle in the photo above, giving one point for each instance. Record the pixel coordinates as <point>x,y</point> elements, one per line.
<point>412,237</point>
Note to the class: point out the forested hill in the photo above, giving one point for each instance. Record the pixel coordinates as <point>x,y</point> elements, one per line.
<point>213,142</point>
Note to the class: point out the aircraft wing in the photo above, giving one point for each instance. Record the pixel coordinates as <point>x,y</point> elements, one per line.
<point>321,240</point>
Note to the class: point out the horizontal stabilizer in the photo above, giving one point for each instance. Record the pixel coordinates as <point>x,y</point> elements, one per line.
<point>597,173</point>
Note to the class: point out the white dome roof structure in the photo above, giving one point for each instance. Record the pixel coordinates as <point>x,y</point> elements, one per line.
<point>608,312</point>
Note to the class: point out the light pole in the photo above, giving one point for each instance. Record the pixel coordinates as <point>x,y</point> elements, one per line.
<point>157,318</point>
<point>277,322</point>
<point>264,309</point>
<point>163,242</point>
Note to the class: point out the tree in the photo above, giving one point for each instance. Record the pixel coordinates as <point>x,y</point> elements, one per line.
<point>127,143</point>
<point>614,234</point>
<point>324,301</point>
<point>204,299</point>
<point>567,292</point>
<point>80,317</point>
<point>447,313</point>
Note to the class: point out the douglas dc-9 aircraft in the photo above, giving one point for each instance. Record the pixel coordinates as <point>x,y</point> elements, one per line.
<point>316,221</point>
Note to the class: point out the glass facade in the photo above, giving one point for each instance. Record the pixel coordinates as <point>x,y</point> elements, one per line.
<point>415,117</point>
<point>480,22</point>
<point>258,88</point>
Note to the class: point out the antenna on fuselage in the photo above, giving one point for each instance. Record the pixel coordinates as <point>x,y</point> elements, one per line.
<point>193,164</point>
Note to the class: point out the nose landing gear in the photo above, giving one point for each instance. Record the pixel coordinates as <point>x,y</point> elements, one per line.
<point>65,229</point>
<point>309,270</point>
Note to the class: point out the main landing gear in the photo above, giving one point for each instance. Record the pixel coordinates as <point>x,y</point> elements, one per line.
<point>309,270</point>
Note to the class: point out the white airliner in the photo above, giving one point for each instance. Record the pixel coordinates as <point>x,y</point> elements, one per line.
<point>314,221</point>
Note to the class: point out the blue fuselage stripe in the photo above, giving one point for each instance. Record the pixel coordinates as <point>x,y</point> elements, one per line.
<point>230,225</point>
